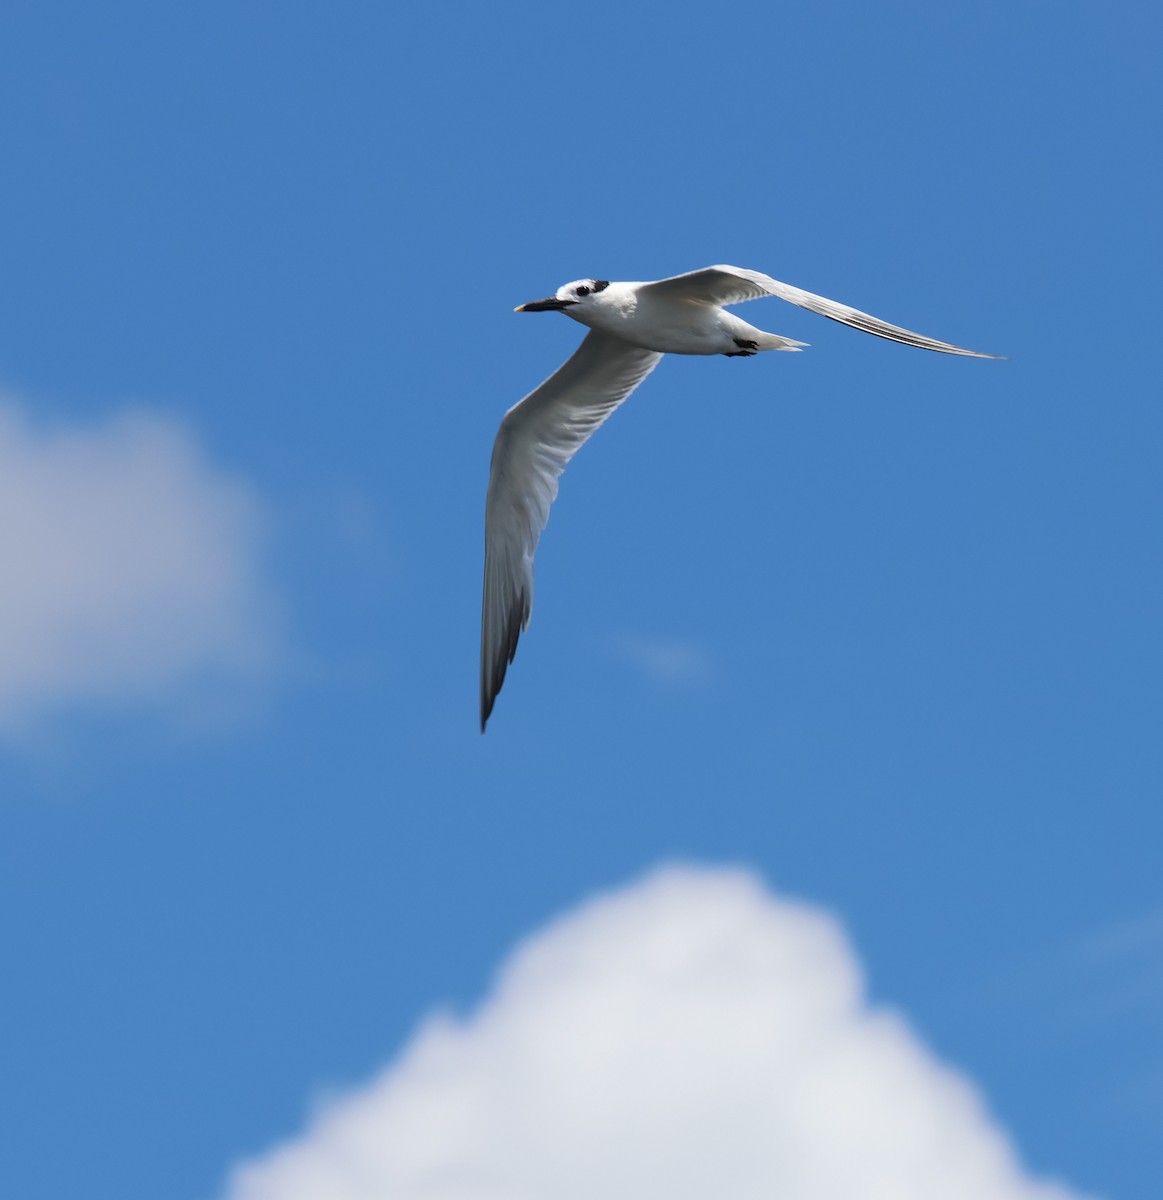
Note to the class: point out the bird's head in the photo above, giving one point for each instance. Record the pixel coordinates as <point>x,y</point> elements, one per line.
<point>570,298</point>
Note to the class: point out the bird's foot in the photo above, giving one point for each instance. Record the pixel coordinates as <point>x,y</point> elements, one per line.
<point>747,348</point>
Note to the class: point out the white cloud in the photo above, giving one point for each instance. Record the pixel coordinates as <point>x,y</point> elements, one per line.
<point>1134,937</point>
<point>130,566</point>
<point>692,1037</point>
<point>666,662</point>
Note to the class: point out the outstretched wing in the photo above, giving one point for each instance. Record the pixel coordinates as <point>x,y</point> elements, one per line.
<point>732,285</point>
<point>536,440</point>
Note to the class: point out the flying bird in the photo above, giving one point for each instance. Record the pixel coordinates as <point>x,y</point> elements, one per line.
<point>631,326</point>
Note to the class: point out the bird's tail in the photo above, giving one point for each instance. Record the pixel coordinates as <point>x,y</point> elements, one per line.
<point>772,341</point>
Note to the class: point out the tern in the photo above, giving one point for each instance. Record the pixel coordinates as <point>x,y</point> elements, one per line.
<point>631,326</point>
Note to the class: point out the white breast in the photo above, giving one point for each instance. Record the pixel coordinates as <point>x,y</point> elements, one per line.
<point>669,326</point>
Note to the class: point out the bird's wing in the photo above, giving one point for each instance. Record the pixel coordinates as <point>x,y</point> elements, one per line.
<point>732,285</point>
<point>536,440</point>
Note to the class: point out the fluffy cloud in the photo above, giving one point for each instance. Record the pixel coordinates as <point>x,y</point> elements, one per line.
<point>691,1037</point>
<point>130,566</point>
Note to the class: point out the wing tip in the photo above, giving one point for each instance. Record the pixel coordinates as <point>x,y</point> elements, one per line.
<point>490,689</point>
<point>964,353</point>
<point>493,672</point>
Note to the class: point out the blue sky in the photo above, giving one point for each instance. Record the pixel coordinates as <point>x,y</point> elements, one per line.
<point>877,627</point>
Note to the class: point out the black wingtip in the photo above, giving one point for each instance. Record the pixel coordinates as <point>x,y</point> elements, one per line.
<point>493,675</point>
<point>488,699</point>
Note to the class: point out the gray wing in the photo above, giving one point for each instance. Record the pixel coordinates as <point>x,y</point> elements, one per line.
<point>536,440</point>
<point>732,285</point>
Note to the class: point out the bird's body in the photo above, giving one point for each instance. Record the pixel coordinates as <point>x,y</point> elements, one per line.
<point>637,314</point>
<point>631,326</point>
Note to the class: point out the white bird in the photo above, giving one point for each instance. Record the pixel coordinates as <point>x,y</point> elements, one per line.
<point>632,325</point>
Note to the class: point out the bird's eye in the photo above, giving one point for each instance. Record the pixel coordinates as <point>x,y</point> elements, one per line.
<point>583,291</point>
